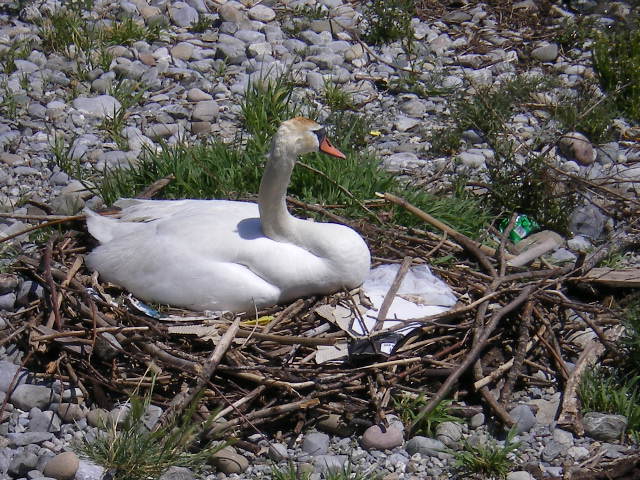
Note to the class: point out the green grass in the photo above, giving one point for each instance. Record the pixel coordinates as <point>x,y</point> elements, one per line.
<point>631,339</point>
<point>336,98</point>
<point>616,60</point>
<point>214,169</point>
<point>389,21</point>
<point>612,391</point>
<point>408,407</point>
<point>133,452</point>
<point>487,460</point>
<point>588,112</point>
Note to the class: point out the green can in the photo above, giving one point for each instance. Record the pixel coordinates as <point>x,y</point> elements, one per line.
<point>522,227</point>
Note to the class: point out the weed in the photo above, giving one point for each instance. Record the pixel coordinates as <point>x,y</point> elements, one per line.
<point>631,339</point>
<point>8,103</point>
<point>19,50</point>
<point>388,21</point>
<point>409,406</point>
<point>445,142</point>
<point>574,32</point>
<point>128,31</point>
<point>133,452</point>
<point>588,112</point>
<point>128,92</point>
<point>616,60</point>
<point>113,125</point>
<point>66,27</point>
<point>201,25</point>
<point>488,460</point>
<point>490,108</point>
<point>290,472</point>
<point>336,98</point>
<point>612,391</point>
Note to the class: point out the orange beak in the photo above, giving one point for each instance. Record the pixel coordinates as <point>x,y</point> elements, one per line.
<point>326,147</point>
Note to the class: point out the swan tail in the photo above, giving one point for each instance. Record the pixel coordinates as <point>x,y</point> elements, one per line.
<point>100,227</point>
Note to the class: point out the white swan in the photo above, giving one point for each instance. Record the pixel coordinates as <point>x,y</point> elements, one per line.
<point>227,255</point>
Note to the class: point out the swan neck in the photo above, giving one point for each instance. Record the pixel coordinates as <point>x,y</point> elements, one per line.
<point>277,223</point>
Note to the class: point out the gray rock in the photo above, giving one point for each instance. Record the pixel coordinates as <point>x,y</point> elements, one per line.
<point>158,131</point>
<point>278,452</point>
<point>63,466</point>
<point>182,51</point>
<point>562,255</point>
<point>520,475</point>
<point>8,302</point>
<point>524,418</point>
<point>547,52</point>
<point>26,438</point>
<point>67,204</point>
<point>404,124</point>
<point>552,450</point>
<point>330,463</point>
<point>177,473</point>
<point>477,420</point>
<point>456,16</point>
<point>8,372</point>
<point>449,433</point>
<point>579,244</point>
<point>101,106</point>
<point>414,108</point>
<point>197,95</point>
<point>26,396</point>
<point>88,470</point>
<point>427,447</point>
<point>377,438</point>
<point>152,415</point>
<point>22,463</point>
<point>98,417</point>
<point>316,443</point>
<point>46,421</point>
<point>578,453</point>
<point>587,221</point>
<point>182,14</point>
<point>206,111</point>
<point>261,13</point>
<point>604,426</point>
<point>563,437</point>
<point>8,283</point>
<point>28,291</point>
<point>471,159</point>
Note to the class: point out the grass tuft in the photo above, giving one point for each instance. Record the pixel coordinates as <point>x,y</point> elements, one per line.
<point>616,60</point>
<point>389,21</point>
<point>487,460</point>
<point>133,452</point>
<point>408,408</point>
<point>612,391</point>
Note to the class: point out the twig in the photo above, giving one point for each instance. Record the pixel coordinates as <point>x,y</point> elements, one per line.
<point>391,293</point>
<point>42,225</point>
<point>472,355</point>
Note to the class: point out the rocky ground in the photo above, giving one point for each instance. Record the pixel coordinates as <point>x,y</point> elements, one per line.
<point>193,81</point>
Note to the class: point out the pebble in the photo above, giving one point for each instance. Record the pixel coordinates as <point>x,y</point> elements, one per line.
<point>524,418</point>
<point>382,438</point>
<point>63,466</point>
<point>424,446</point>
<point>316,443</point>
<point>228,461</point>
<point>26,396</point>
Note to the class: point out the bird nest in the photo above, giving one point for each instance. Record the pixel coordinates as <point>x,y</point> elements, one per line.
<point>510,329</point>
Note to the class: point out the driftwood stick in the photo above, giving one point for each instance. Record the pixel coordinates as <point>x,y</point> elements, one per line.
<point>391,293</point>
<point>479,251</point>
<point>521,350</point>
<point>53,291</point>
<point>569,414</point>
<point>153,189</point>
<point>42,225</point>
<point>204,372</point>
<point>265,412</point>
<point>472,355</point>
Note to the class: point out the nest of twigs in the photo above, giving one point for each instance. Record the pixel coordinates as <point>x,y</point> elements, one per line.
<point>260,367</point>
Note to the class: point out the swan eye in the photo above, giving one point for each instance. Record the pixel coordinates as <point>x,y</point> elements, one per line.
<point>321,134</point>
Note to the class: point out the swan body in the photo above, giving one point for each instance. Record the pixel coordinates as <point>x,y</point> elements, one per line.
<point>228,255</point>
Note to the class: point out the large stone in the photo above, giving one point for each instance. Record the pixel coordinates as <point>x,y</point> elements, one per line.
<point>524,418</point>
<point>71,412</point>
<point>331,464</point>
<point>382,438</point>
<point>26,396</point>
<point>261,13</point>
<point>22,463</point>
<point>575,146</point>
<point>449,433</point>
<point>101,106</point>
<point>27,438</point>
<point>46,421</point>
<point>63,466</point>
<point>547,52</point>
<point>9,373</point>
<point>427,447</point>
<point>205,111</point>
<point>335,425</point>
<point>316,443</point>
<point>88,470</point>
<point>228,461</point>
<point>182,14</point>
<point>8,283</point>
<point>177,473</point>
<point>604,426</point>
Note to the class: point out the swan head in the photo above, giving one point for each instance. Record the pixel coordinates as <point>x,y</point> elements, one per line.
<point>301,135</point>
